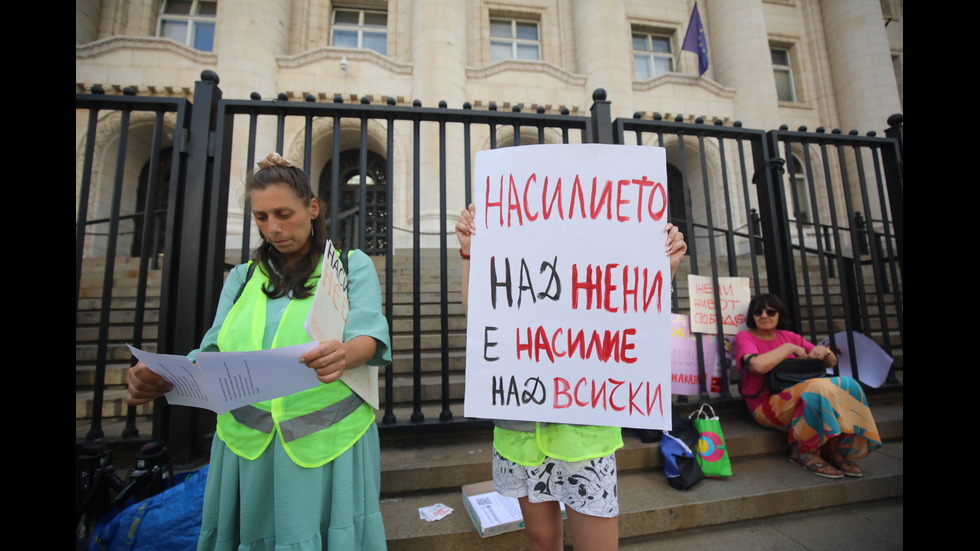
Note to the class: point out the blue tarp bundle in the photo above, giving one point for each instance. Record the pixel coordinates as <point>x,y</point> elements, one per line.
<point>680,465</point>
<point>168,521</point>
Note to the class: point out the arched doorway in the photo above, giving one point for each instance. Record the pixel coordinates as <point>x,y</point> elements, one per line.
<point>375,240</point>
<point>158,206</point>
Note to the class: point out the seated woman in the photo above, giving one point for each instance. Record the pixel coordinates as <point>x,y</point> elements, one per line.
<point>828,419</point>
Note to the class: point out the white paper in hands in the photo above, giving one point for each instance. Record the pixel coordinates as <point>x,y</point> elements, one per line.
<point>223,381</point>
<point>328,317</point>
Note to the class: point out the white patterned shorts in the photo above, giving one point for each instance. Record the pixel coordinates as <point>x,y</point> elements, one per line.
<point>587,486</point>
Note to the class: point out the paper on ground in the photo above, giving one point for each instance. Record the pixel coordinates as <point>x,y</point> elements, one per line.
<point>328,317</point>
<point>434,512</point>
<point>223,381</point>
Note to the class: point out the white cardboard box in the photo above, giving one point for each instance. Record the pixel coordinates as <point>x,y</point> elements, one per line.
<point>491,512</point>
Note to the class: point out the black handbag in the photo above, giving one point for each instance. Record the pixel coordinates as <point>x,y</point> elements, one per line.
<point>794,370</point>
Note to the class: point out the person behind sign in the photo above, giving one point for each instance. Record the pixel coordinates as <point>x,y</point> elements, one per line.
<point>303,471</point>
<point>542,464</point>
<point>828,419</point>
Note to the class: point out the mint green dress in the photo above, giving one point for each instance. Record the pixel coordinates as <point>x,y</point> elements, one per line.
<point>272,504</point>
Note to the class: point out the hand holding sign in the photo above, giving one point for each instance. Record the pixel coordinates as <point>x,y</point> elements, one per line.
<point>465,228</point>
<point>328,359</point>
<point>676,247</point>
<point>325,325</point>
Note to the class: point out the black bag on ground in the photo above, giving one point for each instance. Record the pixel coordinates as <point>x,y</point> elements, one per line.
<point>677,446</point>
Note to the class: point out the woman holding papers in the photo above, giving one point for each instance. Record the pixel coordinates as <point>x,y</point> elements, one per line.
<point>828,419</point>
<point>543,464</point>
<point>302,471</point>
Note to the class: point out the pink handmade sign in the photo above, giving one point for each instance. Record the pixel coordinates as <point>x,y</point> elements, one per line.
<point>684,376</point>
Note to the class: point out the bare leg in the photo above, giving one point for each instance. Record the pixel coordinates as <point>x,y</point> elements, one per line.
<point>830,446</point>
<point>543,525</point>
<point>831,453</point>
<point>591,533</point>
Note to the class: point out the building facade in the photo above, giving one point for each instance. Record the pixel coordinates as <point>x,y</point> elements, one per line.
<point>812,63</point>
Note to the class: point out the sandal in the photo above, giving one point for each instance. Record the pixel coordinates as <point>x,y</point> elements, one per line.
<point>813,463</point>
<point>844,465</point>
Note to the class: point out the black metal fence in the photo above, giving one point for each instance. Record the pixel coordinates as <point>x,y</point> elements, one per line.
<point>745,210</point>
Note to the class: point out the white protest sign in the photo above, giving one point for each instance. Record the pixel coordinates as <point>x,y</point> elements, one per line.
<point>733,297</point>
<point>328,317</point>
<point>569,291</point>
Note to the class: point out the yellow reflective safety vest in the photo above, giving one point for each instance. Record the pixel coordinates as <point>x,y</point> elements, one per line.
<point>315,425</point>
<point>528,443</point>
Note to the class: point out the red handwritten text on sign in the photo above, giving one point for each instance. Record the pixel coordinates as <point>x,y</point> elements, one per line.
<point>520,202</point>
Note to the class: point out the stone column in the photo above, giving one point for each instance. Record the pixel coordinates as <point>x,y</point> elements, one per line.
<point>248,37</point>
<point>88,14</point>
<point>439,58</point>
<point>860,62</point>
<point>603,54</point>
<point>738,46</point>
<point>863,80</point>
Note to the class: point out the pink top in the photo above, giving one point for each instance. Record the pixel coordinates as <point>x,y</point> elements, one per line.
<point>747,343</point>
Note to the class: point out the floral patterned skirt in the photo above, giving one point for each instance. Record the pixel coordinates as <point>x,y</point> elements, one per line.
<point>588,487</point>
<point>816,410</point>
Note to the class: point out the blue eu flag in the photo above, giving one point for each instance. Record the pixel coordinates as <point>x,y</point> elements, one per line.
<point>695,40</point>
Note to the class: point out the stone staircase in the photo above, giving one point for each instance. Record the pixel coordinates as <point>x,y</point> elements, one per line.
<point>120,331</point>
<point>418,472</point>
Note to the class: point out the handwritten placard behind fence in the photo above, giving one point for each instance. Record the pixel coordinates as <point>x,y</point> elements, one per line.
<point>731,297</point>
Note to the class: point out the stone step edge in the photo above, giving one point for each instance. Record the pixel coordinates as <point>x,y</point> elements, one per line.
<point>446,460</point>
<point>763,486</point>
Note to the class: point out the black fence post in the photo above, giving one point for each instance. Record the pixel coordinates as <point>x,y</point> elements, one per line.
<point>775,222</point>
<point>83,194</point>
<point>219,166</point>
<point>850,272</point>
<point>894,164</point>
<point>602,128</point>
<point>862,233</point>
<point>755,230</point>
<point>184,310</point>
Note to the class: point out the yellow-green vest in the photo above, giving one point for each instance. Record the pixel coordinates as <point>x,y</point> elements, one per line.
<point>528,443</point>
<point>316,425</point>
